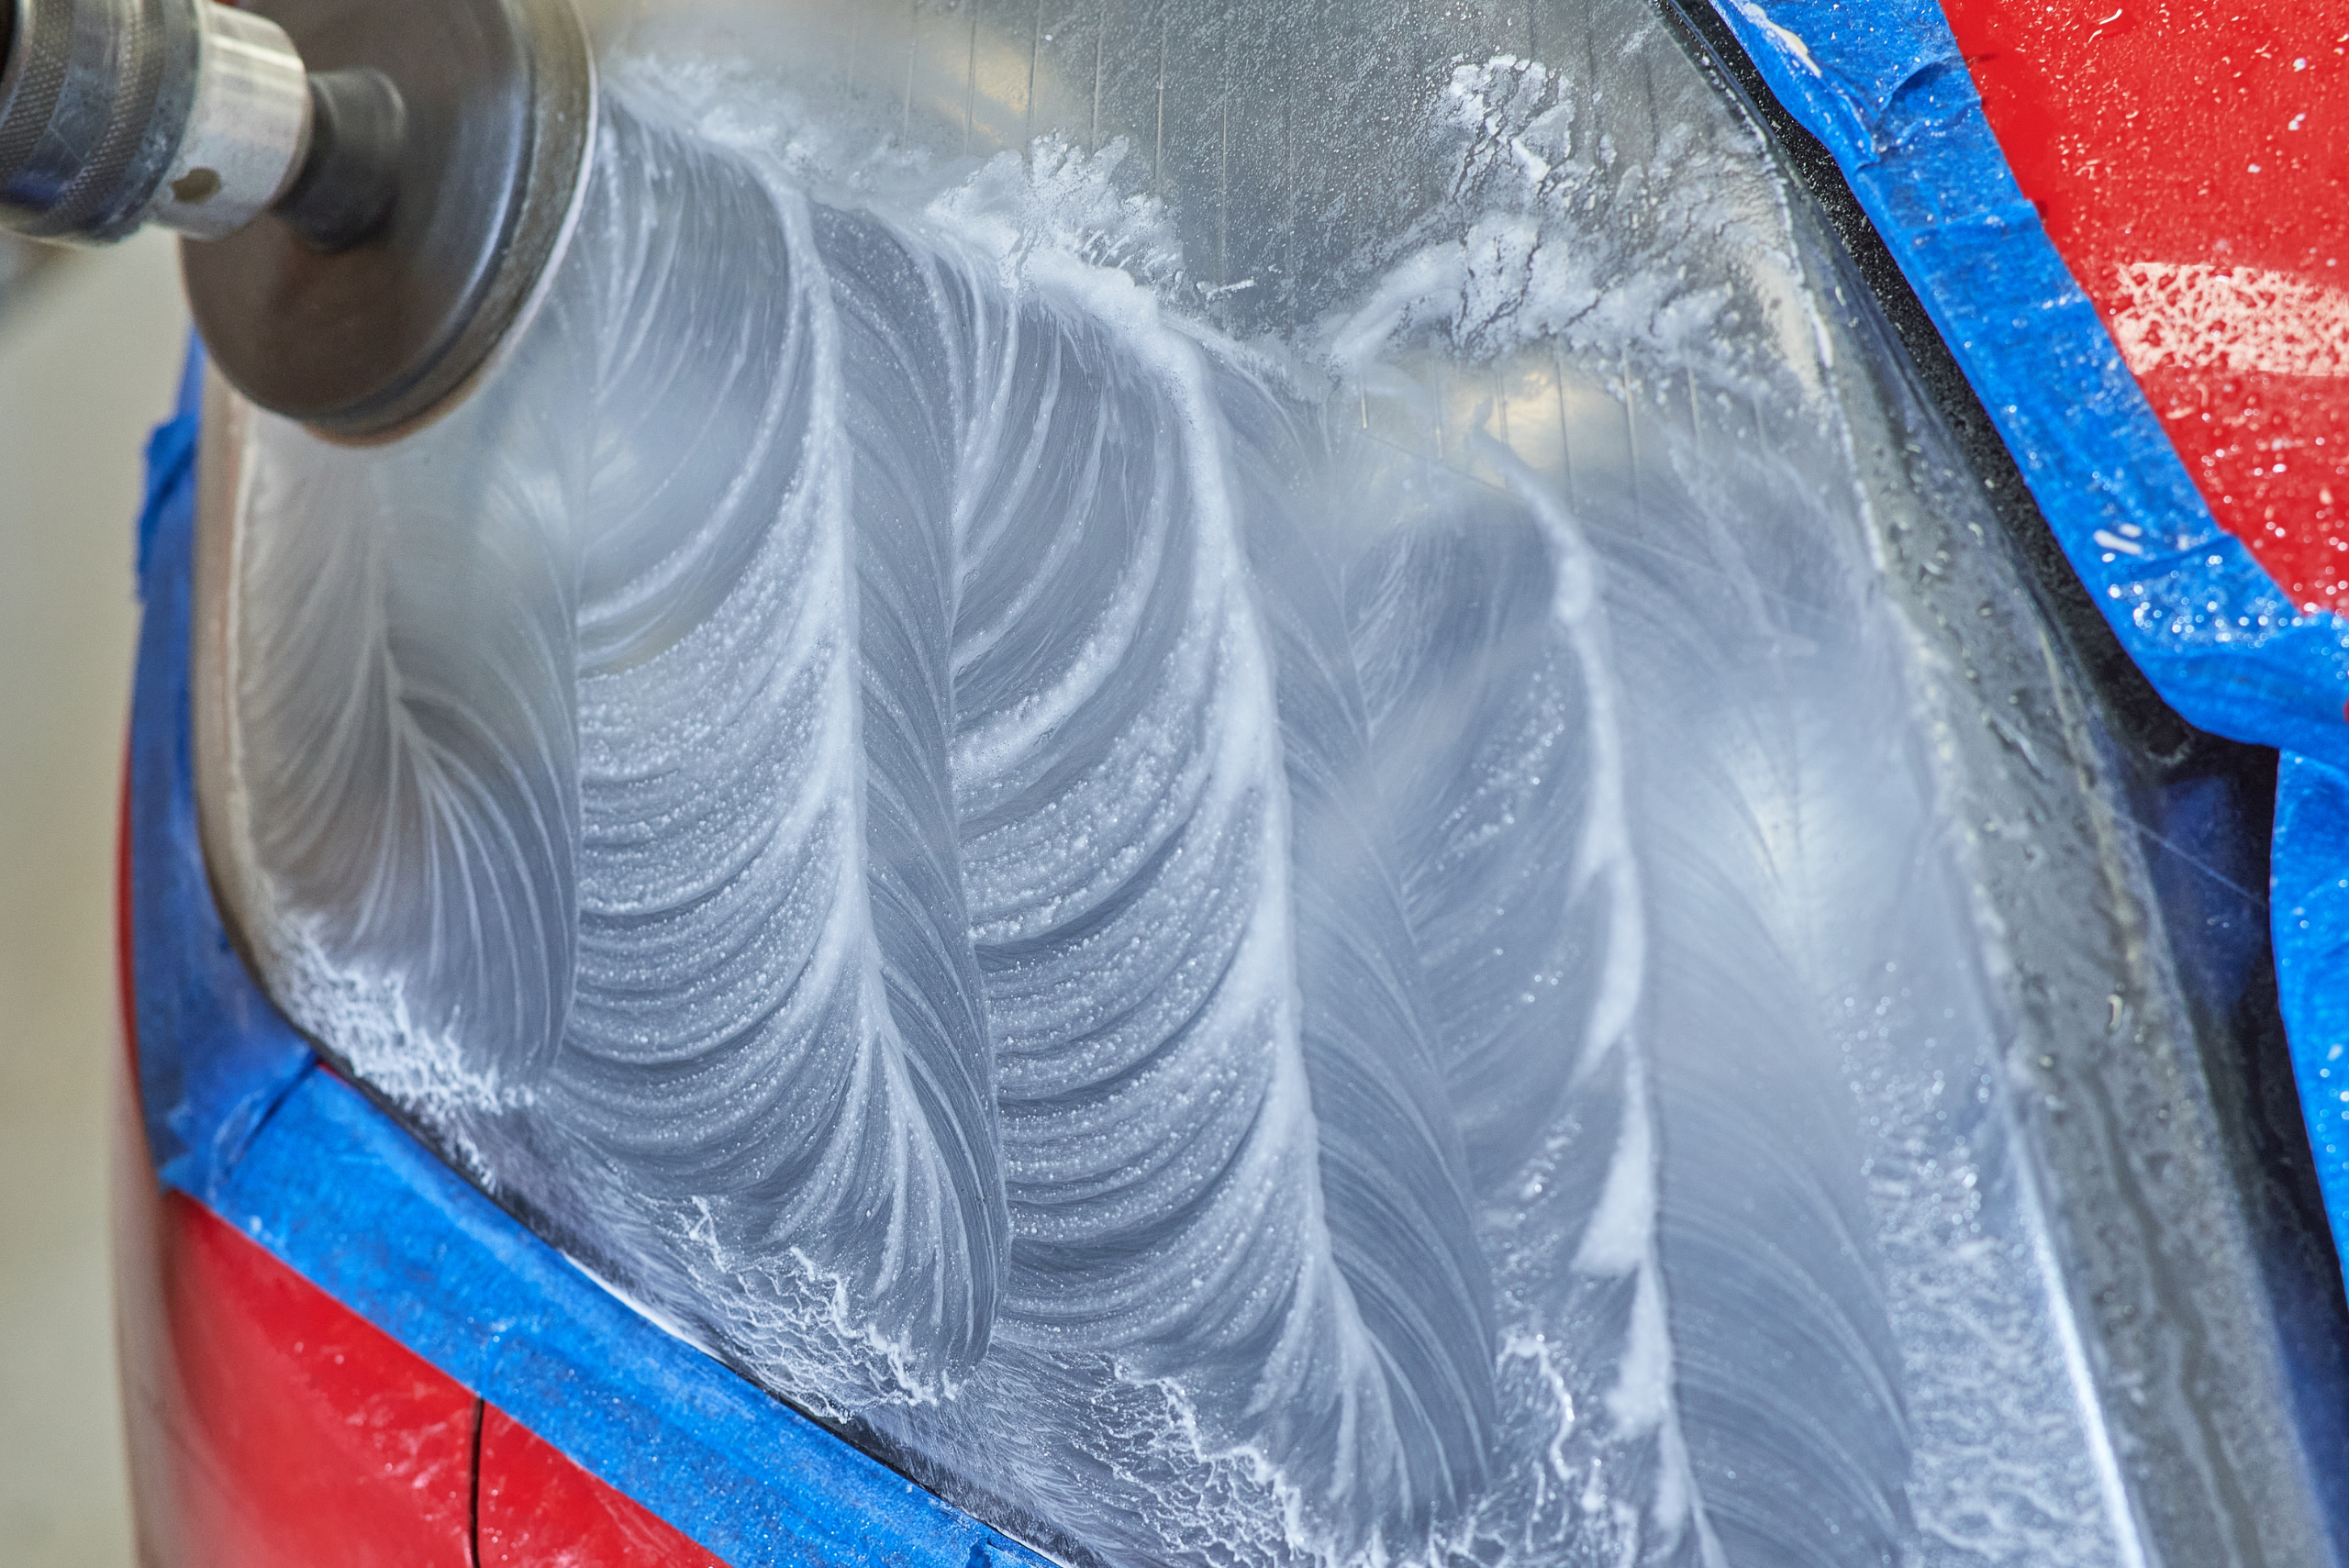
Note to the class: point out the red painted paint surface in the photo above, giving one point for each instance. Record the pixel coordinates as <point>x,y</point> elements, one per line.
<point>540,1510</point>
<point>2190,159</point>
<point>270,1426</point>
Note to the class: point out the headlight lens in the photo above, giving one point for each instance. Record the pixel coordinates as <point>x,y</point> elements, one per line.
<point>1262,819</point>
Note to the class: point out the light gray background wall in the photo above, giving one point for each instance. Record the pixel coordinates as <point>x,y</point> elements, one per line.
<point>89,355</point>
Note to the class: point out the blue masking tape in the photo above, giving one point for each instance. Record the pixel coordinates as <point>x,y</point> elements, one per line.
<point>215,1055</point>
<point>2308,898</point>
<point>241,1117</point>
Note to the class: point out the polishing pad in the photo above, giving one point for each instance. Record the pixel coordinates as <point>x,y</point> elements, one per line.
<point>495,100</point>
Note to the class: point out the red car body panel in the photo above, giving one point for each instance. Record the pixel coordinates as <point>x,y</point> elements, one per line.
<point>2190,161</point>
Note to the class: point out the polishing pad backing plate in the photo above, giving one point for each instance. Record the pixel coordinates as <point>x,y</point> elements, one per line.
<point>366,342</point>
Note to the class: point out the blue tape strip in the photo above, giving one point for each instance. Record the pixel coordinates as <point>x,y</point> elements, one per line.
<point>2309,894</point>
<point>240,1116</point>
<point>214,1056</point>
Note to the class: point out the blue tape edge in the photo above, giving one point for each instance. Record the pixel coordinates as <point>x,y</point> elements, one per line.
<point>1882,85</point>
<point>2309,905</point>
<point>241,1117</point>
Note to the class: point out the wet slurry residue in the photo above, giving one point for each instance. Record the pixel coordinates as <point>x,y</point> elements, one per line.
<point>1235,937</point>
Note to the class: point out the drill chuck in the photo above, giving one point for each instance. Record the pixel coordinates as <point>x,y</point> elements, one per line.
<point>114,113</point>
<point>373,188</point>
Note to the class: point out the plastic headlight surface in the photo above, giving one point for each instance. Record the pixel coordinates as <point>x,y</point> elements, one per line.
<point>1257,781</point>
